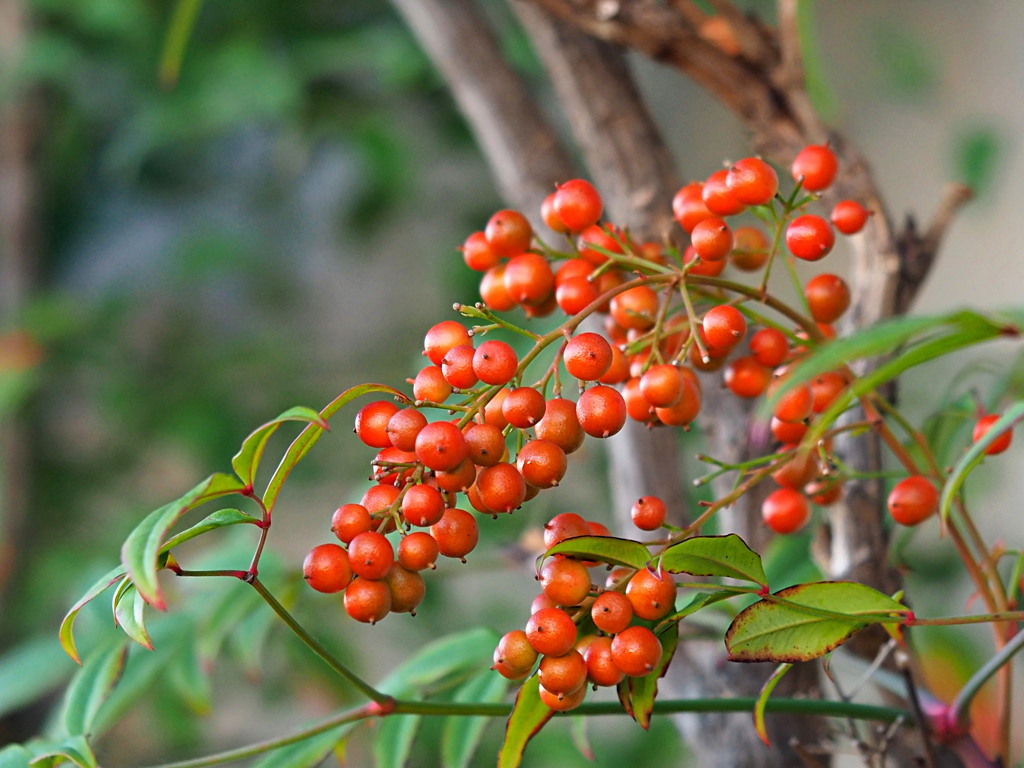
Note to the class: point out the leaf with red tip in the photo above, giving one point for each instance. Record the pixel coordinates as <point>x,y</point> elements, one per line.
<point>66,634</point>
<point>813,620</point>
<point>129,613</point>
<point>140,551</point>
<point>529,714</point>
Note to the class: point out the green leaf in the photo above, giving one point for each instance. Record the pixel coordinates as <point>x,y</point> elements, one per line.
<point>75,748</point>
<point>762,701</point>
<point>247,460</point>
<point>815,619</point>
<point>129,610</point>
<point>29,670</point>
<point>308,437</point>
<point>977,152</point>
<point>91,687</point>
<point>462,734</point>
<point>529,715</point>
<point>393,742</point>
<point>140,551</point>
<point>607,549</point>
<point>66,633</point>
<point>440,659</point>
<point>974,456</point>
<point>644,690</point>
<point>727,556</point>
<point>219,519</point>
<point>14,756</point>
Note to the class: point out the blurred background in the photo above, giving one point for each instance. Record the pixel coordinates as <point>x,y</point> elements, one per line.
<point>180,265</point>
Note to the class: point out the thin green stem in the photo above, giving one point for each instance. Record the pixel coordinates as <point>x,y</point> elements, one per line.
<point>314,645</point>
<point>958,710</point>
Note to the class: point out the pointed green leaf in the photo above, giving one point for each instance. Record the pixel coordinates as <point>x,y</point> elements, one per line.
<point>183,20</point>
<point>75,748</point>
<point>644,690</point>
<point>66,634</point>
<point>308,437</point>
<point>91,687</point>
<point>607,549</point>
<point>440,659</point>
<point>462,734</point>
<point>581,737</point>
<point>139,553</point>
<point>14,756</point>
<point>974,456</point>
<point>529,715</point>
<point>762,701</point>
<point>219,519</point>
<point>247,460</point>
<point>813,620</point>
<point>129,610</point>
<point>393,743</point>
<point>727,556</point>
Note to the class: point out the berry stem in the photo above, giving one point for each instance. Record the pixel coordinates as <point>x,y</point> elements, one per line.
<point>314,645</point>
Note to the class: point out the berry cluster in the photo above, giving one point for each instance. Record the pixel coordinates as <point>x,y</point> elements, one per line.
<point>477,438</point>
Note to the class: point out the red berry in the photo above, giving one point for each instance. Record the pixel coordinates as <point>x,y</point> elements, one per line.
<point>712,239</point>
<point>368,600</point>
<point>815,166</point>
<point>724,326</point>
<point>828,297</point>
<point>371,424</point>
<point>750,248</point>
<point>718,197</point>
<point>601,411</point>
<point>440,446</point>
<point>752,181</point>
<point>371,555</point>
<point>550,216</point>
<point>523,407</point>
<point>508,233</point>
<point>648,513</point>
<point>785,510</point>
<point>422,505</point>
<point>551,631</point>
<point>635,308</point>
<point>456,533</point>
<point>612,612</point>
<point>457,367</point>
<point>601,237</point>
<point>442,337</point>
<point>587,356</point>
<point>849,216</point>
<point>688,206</point>
<point>477,253</point>
<point>577,204</point>
<point>913,500</point>
<point>981,428</point>
<point>495,362</point>
<point>809,237</point>
<point>636,651</point>
<point>529,279</point>
<point>769,346</point>
<point>326,568</point>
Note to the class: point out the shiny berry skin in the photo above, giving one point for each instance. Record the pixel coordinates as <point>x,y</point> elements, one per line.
<point>794,405</point>
<point>913,500</point>
<point>528,278</point>
<point>648,513</point>
<point>635,308</point>
<point>562,702</point>
<point>745,377</point>
<point>611,612</point>
<point>562,526</point>
<point>508,233</point>
<point>371,425</point>
<point>514,649</point>
<point>601,670</point>
<point>440,446</point>
<point>712,239</point>
<point>542,463</point>
<point>349,520</point>
<point>502,488</point>
<point>407,589</point>
<point>523,407</point>
<point>652,596</point>
<point>422,505</point>
<point>566,582</point>
<point>493,292</point>
<point>828,297</point>
<point>560,425</point>
<point>769,346</point>
<point>601,411</point>
<point>403,426</point>
<point>815,167</point>
<point>574,294</point>
<point>605,237</point>
<point>485,444</point>
<point>785,510</point>
<point>752,181</point>
<point>430,385</point>
<point>587,356</point>
<point>809,237</point>
<point>724,326</point>
<point>564,674</point>
<point>442,337</point>
<point>577,204</point>
<point>457,367</point>
<point>371,555</point>
<point>849,216</point>
<point>417,551</point>
<point>551,631</point>
<point>636,651</point>
<point>688,206</point>
<point>718,197</point>
<point>550,216</point>
<point>368,600</point>
<point>327,569</point>
<point>662,385</point>
<point>695,265</point>
<point>456,533</point>
<point>495,362</point>
<point>826,387</point>
<point>477,253</point>
<point>981,428</point>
